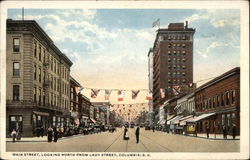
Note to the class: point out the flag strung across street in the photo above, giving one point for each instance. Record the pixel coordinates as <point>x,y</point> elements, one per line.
<point>135,93</point>
<point>94,93</point>
<point>176,90</point>
<point>120,95</point>
<point>107,94</point>
<point>149,95</point>
<point>162,91</point>
<point>78,89</point>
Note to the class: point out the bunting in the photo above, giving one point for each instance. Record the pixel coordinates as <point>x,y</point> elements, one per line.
<point>190,85</point>
<point>135,93</point>
<point>176,90</point>
<point>120,95</point>
<point>78,89</point>
<point>94,93</point>
<point>149,96</point>
<point>107,94</point>
<point>162,91</point>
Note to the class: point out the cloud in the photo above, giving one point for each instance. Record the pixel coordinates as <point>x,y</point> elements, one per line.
<point>217,18</point>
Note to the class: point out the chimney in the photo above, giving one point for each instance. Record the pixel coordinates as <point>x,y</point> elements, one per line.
<point>186,25</point>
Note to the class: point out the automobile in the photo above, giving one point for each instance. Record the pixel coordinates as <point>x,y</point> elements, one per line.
<point>147,128</point>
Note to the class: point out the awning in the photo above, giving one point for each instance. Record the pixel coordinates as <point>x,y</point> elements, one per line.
<point>85,117</point>
<point>177,106</point>
<point>196,119</point>
<point>41,113</point>
<point>183,121</point>
<point>170,117</point>
<point>174,119</point>
<point>94,121</point>
<point>161,122</point>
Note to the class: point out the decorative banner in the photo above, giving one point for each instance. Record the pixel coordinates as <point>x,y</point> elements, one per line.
<point>94,93</point>
<point>149,95</point>
<point>107,94</point>
<point>78,89</point>
<point>135,93</point>
<point>176,90</point>
<point>162,91</point>
<point>81,91</point>
<point>120,95</point>
<point>190,85</point>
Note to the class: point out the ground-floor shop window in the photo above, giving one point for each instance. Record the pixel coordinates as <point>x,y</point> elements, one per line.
<point>16,123</point>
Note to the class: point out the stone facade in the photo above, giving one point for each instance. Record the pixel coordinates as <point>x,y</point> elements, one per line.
<point>37,79</point>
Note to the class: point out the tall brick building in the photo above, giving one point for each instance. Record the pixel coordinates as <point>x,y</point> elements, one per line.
<point>37,79</point>
<point>173,60</point>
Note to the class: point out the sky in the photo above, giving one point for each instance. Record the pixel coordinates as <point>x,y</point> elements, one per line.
<point>109,47</point>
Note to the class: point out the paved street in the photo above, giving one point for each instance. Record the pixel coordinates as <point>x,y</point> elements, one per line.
<point>113,142</point>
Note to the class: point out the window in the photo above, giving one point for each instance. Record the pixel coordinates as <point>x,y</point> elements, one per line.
<point>40,96</point>
<point>16,45</point>
<point>51,60</point>
<point>43,76</point>
<point>34,49</point>
<point>169,66</point>
<point>54,100</point>
<point>183,45</point>
<point>178,45</point>
<point>183,74</point>
<point>34,93</point>
<point>214,102</point>
<point>16,69</point>
<point>169,81</point>
<point>58,84</point>
<point>174,52</point>
<point>183,81</point>
<point>15,123</point>
<point>40,54</point>
<point>55,65</point>
<point>223,119</point>
<point>169,73</point>
<point>183,67</point>
<point>55,83</point>
<point>43,97</point>
<point>34,72</point>
<point>44,55</point>
<point>233,97</point>
<point>183,52</point>
<point>183,37</point>
<point>222,99</point>
<point>40,75</point>
<point>169,45</point>
<point>174,66</point>
<point>71,93</point>
<point>51,99</point>
<point>183,59</point>
<point>169,59</point>
<point>58,65</point>
<point>16,92</point>
<point>227,98</point>
<point>51,83</point>
<point>218,101</point>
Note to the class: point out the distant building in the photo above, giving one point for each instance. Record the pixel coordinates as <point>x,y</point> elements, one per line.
<point>102,110</point>
<point>38,93</point>
<point>173,61</point>
<point>150,84</point>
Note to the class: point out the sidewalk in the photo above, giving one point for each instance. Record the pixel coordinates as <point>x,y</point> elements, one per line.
<point>214,137</point>
<point>40,139</point>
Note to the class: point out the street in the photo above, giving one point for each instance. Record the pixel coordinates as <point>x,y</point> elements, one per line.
<point>113,142</point>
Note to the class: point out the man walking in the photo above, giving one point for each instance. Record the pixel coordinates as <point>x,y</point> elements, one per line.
<point>207,130</point>
<point>224,129</point>
<point>137,132</point>
<point>234,131</point>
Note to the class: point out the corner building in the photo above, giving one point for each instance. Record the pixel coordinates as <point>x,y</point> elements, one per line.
<point>173,60</point>
<point>38,89</point>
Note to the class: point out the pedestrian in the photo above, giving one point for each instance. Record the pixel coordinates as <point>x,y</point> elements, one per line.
<point>125,133</point>
<point>234,131</point>
<point>13,135</point>
<point>207,130</point>
<point>50,134</point>
<point>137,133</point>
<point>224,129</point>
<point>38,131</point>
<point>42,131</point>
<point>55,134</point>
<point>153,128</point>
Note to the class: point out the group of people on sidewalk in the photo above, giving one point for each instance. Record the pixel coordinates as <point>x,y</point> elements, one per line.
<point>224,131</point>
<point>137,133</point>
